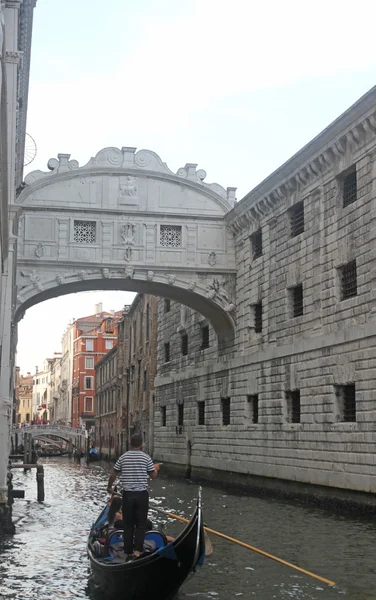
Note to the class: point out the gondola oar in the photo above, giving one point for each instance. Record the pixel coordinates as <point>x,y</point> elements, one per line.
<point>253,548</point>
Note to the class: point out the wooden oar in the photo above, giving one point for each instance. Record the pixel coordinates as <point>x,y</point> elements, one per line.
<point>253,548</point>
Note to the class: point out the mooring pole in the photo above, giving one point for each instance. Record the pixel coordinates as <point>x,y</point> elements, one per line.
<point>40,483</point>
<point>25,443</point>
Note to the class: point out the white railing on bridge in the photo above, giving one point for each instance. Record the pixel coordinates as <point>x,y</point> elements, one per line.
<point>72,431</point>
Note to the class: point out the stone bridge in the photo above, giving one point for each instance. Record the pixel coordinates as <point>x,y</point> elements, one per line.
<point>124,221</point>
<point>69,434</point>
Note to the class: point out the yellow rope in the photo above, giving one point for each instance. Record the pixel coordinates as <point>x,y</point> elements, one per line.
<point>254,549</point>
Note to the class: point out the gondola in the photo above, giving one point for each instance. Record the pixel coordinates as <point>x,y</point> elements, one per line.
<point>50,454</point>
<point>158,574</point>
<point>93,456</point>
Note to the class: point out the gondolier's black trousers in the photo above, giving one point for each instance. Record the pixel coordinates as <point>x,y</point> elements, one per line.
<point>135,513</point>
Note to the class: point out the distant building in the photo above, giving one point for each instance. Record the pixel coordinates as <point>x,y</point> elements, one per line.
<point>55,383</point>
<point>93,337</point>
<point>42,392</point>
<point>24,397</point>
<point>108,405</point>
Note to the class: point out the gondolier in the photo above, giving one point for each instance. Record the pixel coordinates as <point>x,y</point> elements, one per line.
<point>134,468</point>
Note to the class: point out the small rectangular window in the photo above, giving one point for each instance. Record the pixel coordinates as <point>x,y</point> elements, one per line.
<point>170,236</point>
<point>296,294</point>
<point>258,317</point>
<point>163,416</point>
<point>167,352</point>
<point>296,216</point>
<point>293,406</point>
<point>184,344</point>
<point>109,344</point>
<point>85,232</point>
<point>201,412</point>
<point>88,404</point>
<point>205,339</point>
<point>349,188</point>
<point>256,242</point>
<point>145,380</point>
<point>226,411</point>
<point>89,362</point>
<point>346,402</point>
<point>181,414</point>
<point>167,305</point>
<point>89,345</point>
<point>89,383</point>
<point>348,280</point>
<point>253,411</point>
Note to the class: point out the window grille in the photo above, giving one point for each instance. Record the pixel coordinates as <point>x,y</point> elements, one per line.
<point>293,406</point>
<point>226,411</point>
<point>256,242</point>
<point>167,352</point>
<point>205,337</point>
<point>297,300</point>
<point>258,317</point>
<point>163,416</point>
<point>184,344</point>
<point>201,412</point>
<point>85,232</point>
<point>348,279</point>
<point>167,305</point>
<point>253,407</point>
<point>170,236</point>
<point>346,402</point>
<point>350,188</point>
<point>296,214</point>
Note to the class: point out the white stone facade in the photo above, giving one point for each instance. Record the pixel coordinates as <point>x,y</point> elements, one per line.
<point>64,407</point>
<point>298,391</point>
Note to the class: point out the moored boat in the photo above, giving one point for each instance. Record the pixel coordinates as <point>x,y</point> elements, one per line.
<point>160,572</point>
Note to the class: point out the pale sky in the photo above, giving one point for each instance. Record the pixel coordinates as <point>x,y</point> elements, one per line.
<point>237,87</point>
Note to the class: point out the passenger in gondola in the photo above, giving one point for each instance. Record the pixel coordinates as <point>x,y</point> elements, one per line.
<point>134,468</point>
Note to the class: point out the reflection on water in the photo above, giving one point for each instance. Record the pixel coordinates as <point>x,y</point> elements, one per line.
<point>46,559</point>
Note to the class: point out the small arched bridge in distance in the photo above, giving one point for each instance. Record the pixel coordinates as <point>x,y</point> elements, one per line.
<point>70,434</point>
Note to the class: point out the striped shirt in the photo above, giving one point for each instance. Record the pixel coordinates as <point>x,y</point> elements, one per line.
<point>134,467</point>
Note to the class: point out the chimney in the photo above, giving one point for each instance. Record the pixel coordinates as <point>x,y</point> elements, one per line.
<point>98,308</point>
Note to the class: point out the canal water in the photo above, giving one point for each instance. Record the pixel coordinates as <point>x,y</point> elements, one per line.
<point>46,559</point>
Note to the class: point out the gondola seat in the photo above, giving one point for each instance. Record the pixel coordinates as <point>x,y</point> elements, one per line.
<point>157,537</point>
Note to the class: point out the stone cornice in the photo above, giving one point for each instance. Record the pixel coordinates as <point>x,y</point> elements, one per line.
<point>353,129</point>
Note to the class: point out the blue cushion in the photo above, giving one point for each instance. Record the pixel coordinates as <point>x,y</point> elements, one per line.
<point>157,537</point>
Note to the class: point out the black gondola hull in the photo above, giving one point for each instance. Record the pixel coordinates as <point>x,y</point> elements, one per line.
<point>158,576</point>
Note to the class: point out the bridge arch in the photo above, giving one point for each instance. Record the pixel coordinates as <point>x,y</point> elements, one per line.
<point>126,222</point>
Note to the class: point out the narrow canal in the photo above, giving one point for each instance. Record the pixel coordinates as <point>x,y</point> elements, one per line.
<point>46,559</point>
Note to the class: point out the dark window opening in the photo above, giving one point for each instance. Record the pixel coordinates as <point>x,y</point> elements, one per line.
<point>348,279</point>
<point>167,352</point>
<point>256,241</point>
<point>205,337</point>
<point>147,322</point>
<point>226,411</point>
<point>201,412</point>
<point>253,407</point>
<point>350,188</point>
<point>296,214</point>
<point>184,344</point>
<point>258,317</point>
<point>297,300</point>
<point>346,402</point>
<point>145,380</point>
<point>163,416</point>
<point>293,406</point>
<point>167,305</point>
<point>181,415</point>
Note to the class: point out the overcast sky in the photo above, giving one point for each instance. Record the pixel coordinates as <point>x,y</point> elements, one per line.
<point>237,87</point>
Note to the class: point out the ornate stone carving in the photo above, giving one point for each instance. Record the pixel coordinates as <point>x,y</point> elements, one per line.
<point>106,274</point>
<point>129,272</point>
<point>128,254</point>
<point>129,189</point>
<point>127,232</point>
<point>82,274</point>
<point>20,299</point>
<point>212,259</point>
<point>192,285</point>
<point>40,250</point>
<point>13,57</point>
<point>150,275</point>
<point>34,280</point>
<point>171,279</point>
<point>217,291</point>
<point>60,279</point>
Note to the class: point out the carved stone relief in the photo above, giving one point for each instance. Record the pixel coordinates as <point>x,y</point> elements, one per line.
<point>212,259</point>
<point>40,250</point>
<point>128,190</point>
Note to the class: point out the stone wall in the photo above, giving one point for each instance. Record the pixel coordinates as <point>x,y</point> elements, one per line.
<point>297,400</point>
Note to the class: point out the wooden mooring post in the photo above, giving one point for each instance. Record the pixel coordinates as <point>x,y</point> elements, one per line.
<point>40,483</point>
